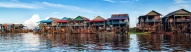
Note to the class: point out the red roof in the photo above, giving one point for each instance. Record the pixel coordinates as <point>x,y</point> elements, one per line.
<point>62,21</point>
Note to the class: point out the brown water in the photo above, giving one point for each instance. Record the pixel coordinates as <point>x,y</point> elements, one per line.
<point>29,42</point>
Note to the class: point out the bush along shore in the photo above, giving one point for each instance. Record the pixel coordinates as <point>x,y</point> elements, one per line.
<point>133,31</point>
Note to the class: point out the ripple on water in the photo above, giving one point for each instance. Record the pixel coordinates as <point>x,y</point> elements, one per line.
<point>28,42</point>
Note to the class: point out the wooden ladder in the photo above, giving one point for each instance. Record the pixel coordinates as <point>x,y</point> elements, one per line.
<point>70,27</point>
<point>184,28</point>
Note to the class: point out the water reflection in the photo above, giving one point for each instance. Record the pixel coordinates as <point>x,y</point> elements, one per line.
<point>29,42</point>
<point>160,42</point>
<point>84,42</point>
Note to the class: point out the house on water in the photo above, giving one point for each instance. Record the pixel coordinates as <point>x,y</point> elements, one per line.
<point>62,25</point>
<point>63,22</point>
<point>13,28</point>
<point>78,24</point>
<point>97,24</point>
<point>177,21</point>
<point>48,25</point>
<point>118,23</point>
<point>151,22</point>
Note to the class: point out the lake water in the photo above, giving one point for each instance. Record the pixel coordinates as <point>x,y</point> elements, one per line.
<point>29,42</point>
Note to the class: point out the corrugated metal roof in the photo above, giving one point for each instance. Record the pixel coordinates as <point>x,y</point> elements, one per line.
<point>178,12</point>
<point>98,19</point>
<point>53,19</point>
<point>79,18</point>
<point>69,19</point>
<point>46,21</point>
<point>62,21</point>
<point>64,18</point>
<point>120,16</point>
<point>141,16</point>
<point>116,18</point>
<point>86,19</point>
<point>152,13</point>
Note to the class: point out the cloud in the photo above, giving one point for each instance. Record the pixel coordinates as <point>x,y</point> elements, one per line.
<point>55,12</point>
<point>184,6</point>
<point>120,1</point>
<point>182,1</point>
<point>46,5</point>
<point>136,0</point>
<point>74,8</point>
<point>18,5</point>
<point>178,1</point>
<point>47,18</point>
<point>176,7</point>
<point>109,1</point>
<point>181,4</point>
<point>31,23</point>
<point>14,0</point>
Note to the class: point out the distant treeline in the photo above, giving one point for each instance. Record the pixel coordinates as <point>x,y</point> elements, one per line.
<point>132,30</point>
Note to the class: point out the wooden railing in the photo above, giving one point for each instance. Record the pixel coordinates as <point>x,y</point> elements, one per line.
<point>152,20</point>
<point>119,22</point>
<point>186,20</point>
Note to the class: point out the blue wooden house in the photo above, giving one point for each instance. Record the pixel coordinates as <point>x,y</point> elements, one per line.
<point>119,22</point>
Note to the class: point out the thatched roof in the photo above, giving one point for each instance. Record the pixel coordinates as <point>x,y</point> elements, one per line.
<point>179,12</point>
<point>98,18</point>
<point>152,13</point>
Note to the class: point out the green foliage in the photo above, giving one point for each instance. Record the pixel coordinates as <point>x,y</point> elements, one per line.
<point>133,31</point>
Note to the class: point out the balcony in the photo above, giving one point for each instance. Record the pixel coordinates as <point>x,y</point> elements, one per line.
<point>179,20</point>
<point>182,20</point>
<point>99,24</point>
<point>119,22</point>
<point>62,24</point>
<point>78,24</point>
<point>152,20</point>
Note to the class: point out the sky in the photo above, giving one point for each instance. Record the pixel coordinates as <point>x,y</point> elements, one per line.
<point>28,12</point>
